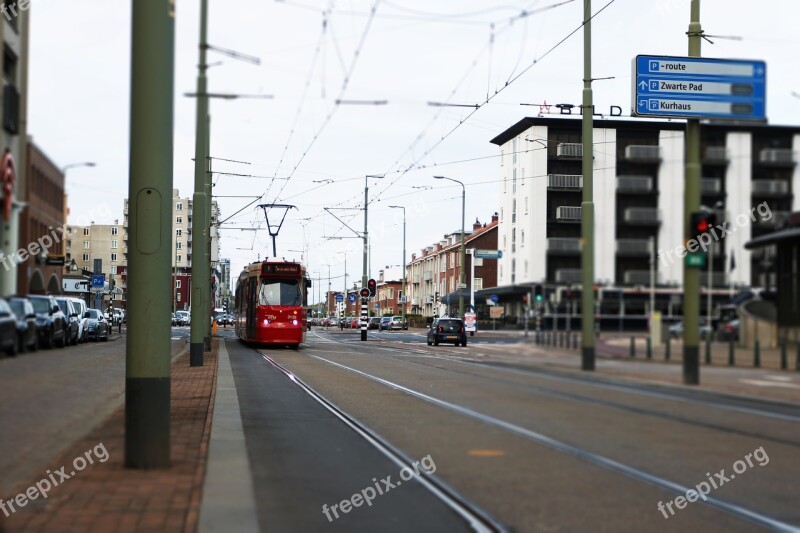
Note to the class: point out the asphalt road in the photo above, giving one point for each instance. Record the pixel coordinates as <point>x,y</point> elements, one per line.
<point>539,450</point>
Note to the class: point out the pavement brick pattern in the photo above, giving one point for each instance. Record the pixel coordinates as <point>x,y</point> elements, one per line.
<point>107,497</point>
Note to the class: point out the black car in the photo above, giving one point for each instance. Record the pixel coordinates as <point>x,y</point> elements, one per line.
<point>26,323</point>
<point>374,323</point>
<point>97,327</point>
<point>447,330</point>
<point>50,321</point>
<point>9,340</point>
<point>73,320</point>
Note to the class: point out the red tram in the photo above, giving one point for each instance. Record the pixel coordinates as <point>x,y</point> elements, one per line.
<point>270,302</point>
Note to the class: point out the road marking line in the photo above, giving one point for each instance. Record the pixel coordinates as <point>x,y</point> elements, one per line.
<point>486,453</point>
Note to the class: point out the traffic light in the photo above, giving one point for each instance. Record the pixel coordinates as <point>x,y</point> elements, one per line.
<point>538,294</point>
<point>436,297</point>
<point>701,223</point>
<point>372,286</point>
<point>364,292</point>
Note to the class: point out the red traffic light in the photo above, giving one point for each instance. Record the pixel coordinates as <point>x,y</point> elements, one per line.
<point>364,292</point>
<point>702,222</point>
<point>372,287</point>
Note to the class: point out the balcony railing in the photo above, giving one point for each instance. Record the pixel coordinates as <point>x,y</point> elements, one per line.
<point>716,155</point>
<point>563,245</point>
<point>639,277</point>
<point>568,275</point>
<point>569,150</point>
<point>643,153</point>
<point>634,184</point>
<point>710,185</point>
<point>633,247</point>
<point>777,157</point>
<point>643,215</point>
<point>566,213</point>
<point>564,181</point>
<point>770,187</point>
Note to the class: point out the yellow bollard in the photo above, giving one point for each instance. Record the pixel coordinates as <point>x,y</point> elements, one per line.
<point>214,328</point>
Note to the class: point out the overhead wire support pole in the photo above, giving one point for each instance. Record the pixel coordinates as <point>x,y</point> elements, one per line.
<point>587,204</point>
<point>201,269</point>
<point>365,266</point>
<point>147,354</point>
<point>691,203</point>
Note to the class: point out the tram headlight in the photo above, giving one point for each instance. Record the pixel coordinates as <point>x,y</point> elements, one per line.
<point>266,322</point>
<point>294,322</point>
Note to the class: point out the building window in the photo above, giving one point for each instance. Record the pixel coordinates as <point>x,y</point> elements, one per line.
<point>114,231</point>
<point>501,214</point>
<point>478,284</point>
<point>178,245</point>
<point>526,205</point>
<point>513,210</point>
<point>513,240</point>
<point>114,244</point>
<point>178,258</point>
<point>113,270</point>
<point>502,157</point>
<point>179,220</point>
<point>514,154</point>
<point>85,245</point>
<point>179,207</point>
<point>514,181</point>
<point>177,284</point>
<point>178,232</point>
<point>513,270</point>
<point>85,257</point>
<point>522,238</point>
<point>113,258</point>
<point>86,231</point>
<point>390,294</point>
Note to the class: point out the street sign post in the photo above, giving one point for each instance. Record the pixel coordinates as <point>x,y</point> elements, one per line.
<point>98,281</point>
<point>339,298</point>
<point>488,254</point>
<point>699,87</point>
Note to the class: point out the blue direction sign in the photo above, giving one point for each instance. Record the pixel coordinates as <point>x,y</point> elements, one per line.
<point>495,298</point>
<point>351,297</point>
<point>699,87</point>
<point>98,281</point>
<point>339,297</point>
<point>488,254</point>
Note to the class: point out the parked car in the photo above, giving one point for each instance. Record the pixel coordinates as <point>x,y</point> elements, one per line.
<point>73,320</point>
<point>9,337</point>
<point>374,323</point>
<point>184,318</point>
<point>447,330</point>
<point>354,323</point>
<point>50,321</point>
<point>386,323</point>
<point>676,330</point>
<point>399,323</point>
<point>80,308</point>
<point>729,331</point>
<point>97,327</point>
<point>26,323</point>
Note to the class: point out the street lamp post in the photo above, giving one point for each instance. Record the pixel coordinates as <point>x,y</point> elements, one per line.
<point>76,165</point>
<point>403,302</point>
<point>463,252</point>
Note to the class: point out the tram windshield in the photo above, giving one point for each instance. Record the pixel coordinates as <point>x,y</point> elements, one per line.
<point>280,292</point>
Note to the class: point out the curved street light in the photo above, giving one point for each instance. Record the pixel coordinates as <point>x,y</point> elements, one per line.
<point>463,253</point>
<point>76,165</point>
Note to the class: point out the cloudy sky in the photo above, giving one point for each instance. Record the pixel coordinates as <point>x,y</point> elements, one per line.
<point>407,53</point>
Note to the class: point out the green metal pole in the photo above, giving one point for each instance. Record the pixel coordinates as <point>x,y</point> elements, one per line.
<point>463,263</point>
<point>587,205</point>
<point>200,267</point>
<point>691,202</point>
<point>364,267</point>
<point>209,212</point>
<point>403,309</point>
<point>147,358</point>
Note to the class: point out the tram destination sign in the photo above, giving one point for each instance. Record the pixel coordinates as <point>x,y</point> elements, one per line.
<point>699,87</point>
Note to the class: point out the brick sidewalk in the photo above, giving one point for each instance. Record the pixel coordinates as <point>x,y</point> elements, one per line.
<point>107,497</point>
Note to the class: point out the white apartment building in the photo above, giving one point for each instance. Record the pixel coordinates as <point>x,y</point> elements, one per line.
<point>638,195</point>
